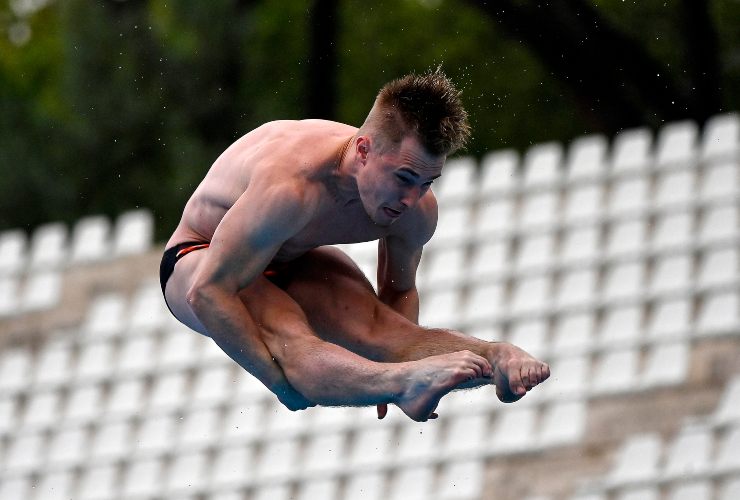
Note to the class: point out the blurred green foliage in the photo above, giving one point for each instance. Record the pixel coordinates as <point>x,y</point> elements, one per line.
<point>110,105</point>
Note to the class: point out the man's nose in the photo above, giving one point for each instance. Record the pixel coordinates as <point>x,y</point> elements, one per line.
<point>411,196</point>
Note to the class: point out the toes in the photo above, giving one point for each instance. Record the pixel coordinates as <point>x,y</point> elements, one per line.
<point>516,384</point>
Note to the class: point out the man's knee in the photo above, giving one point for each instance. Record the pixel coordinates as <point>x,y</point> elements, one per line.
<point>328,264</point>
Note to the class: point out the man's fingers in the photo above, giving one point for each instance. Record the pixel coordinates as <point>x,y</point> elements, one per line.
<point>483,365</point>
<point>382,411</point>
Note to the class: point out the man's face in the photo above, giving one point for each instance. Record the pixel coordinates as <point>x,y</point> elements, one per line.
<point>394,180</point>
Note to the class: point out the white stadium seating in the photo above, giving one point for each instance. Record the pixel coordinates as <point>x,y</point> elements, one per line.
<point>614,260</point>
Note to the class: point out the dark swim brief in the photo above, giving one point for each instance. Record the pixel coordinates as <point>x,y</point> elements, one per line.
<point>173,254</point>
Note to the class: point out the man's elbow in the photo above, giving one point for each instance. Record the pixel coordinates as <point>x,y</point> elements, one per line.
<point>390,294</point>
<point>200,298</point>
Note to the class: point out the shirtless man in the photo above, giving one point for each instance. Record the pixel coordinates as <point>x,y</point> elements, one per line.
<point>253,271</point>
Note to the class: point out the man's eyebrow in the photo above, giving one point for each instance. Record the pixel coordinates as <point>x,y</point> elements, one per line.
<point>415,174</point>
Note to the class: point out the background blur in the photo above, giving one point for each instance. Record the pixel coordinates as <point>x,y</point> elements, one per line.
<point>594,221</point>
<point>110,105</point>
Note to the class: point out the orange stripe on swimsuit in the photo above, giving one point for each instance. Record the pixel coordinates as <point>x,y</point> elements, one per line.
<point>183,252</point>
<point>187,250</point>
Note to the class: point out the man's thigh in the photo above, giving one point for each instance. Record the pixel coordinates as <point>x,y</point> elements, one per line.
<point>341,304</point>
<point>268,305</point>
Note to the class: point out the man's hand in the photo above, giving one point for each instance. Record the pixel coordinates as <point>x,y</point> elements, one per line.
<point>515,372</point>
<point>289,397</point>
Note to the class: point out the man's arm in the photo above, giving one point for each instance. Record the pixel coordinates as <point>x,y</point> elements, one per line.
<point>397,265</point>
<point>399,255</point>
<point>243,245</point>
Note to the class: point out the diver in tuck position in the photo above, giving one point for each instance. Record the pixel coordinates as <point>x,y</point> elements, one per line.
<point>248,265</point>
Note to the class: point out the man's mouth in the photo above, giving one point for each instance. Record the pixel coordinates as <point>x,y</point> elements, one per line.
<point>392,213</point>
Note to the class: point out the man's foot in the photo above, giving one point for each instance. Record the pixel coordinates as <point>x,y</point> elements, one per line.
<point>515,372</point>
<point>428,379</point>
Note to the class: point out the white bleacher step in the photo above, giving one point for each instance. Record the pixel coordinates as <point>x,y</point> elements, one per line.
<point>694,490</point>
<point>41,409</point>
<point>68,447</point>
<point>728,409</point>
<point>16,365</point>
<point>17,487</point>
<point>538,211</point>
<point>728,452</point>
<point>112,440</point>
<point>371,447</point>
<point>631,150</point>
<point>412,483</point>
<point>156,433</point>
<point>55,485</point>
<point>199,427</point>
<point>674,189</point>
<point>689,452</point>
<point>719,181</point>
<point>514,430</point>
<point>563,423</point>
<point>9,296</point>
<point>105,316</point>
<point>143,477</point>
<point>616,371</point>
<point>365,486</point>
<point>90,240</point>
<point>721,136</point>
<point>628,196</point>
<point>535,251</point>
<point>466,434</point>
<point>499,173</point>
<point>133,233</point>
<point>676,144</point>
<point>417,443</point>
<point>458,181</point>
<point>277,460</point>
<point>583,203</point>
<point>232,466</point>
<point>13,252</point>
<point>731,489</point>
<point>325,454</point>
<point>542,164</point>
<point>49,247</point>
<point>42,291</point>
<point>639,493</point>
<point>25,452</point>
<point>440,307</point>
<point>186,473</point>
<point>495,217</point>
<point>637,460</point>
<point>320,488</point>
<point>272,492</point>
<point>586,157</point>
<point>83,404</point>
<point>461,480</point>
<point>98,483</point>
<point>666,365</point>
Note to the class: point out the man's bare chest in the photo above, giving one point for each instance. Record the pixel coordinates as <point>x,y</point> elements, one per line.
<point>332,227</point>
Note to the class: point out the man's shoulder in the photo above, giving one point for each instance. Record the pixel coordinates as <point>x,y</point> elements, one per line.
<point>418,225</point>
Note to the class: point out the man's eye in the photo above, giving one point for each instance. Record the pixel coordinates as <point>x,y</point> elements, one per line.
<point>404,179</point>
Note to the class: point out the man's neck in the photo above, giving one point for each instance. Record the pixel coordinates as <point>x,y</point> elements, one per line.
<point>343,177</point>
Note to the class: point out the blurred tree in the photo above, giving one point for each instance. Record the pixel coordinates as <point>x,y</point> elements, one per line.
<point>614,77</point>
<point>322,63</point>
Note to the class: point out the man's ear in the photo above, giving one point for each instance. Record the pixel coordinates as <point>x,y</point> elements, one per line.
<point>363,147</point>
